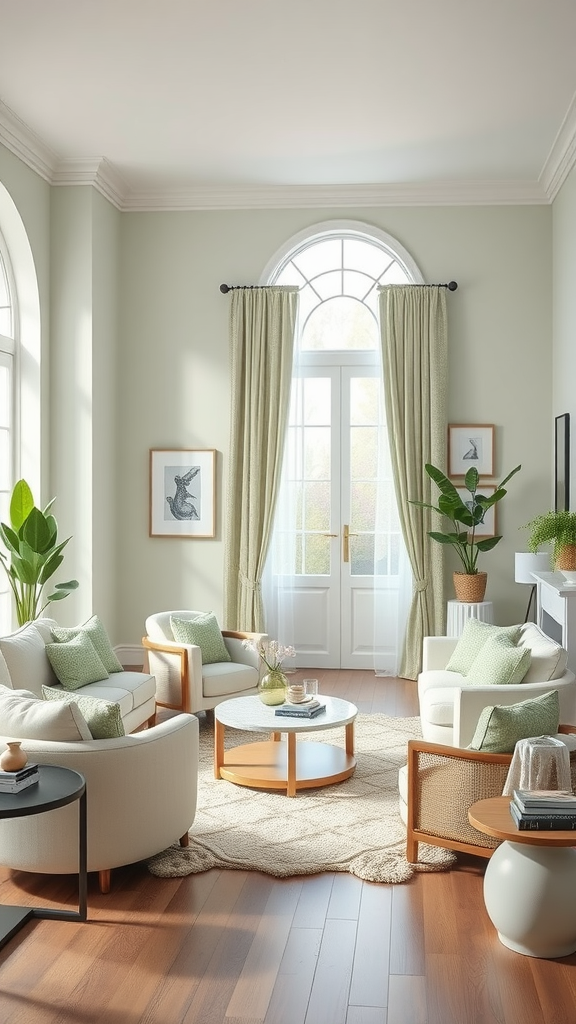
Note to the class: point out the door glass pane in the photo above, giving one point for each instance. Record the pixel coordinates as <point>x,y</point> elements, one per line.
<point>317,560</point>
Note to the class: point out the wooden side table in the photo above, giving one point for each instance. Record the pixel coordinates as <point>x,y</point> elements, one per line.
<point>56,787</point>
<point>460,611</point>
<point>530,883</point>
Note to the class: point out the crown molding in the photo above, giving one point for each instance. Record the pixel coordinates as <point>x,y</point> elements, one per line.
<point>96,171</point>
<point>562,156</point>
<point>455,193</point>
<point>25,144</point>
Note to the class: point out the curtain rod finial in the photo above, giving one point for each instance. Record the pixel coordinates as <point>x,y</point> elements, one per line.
<point>224,288</point>
<point>452,286</point>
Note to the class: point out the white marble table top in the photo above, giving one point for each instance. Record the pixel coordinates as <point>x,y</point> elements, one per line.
<point>251,714</point>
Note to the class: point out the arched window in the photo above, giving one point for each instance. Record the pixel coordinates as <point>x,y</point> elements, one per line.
<point>338,584</point>
<point>7,409</point>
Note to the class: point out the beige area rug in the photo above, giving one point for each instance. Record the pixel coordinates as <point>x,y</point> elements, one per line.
<point>353,826</point>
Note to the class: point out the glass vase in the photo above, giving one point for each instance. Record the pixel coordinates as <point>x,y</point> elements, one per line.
<point>272,687</point>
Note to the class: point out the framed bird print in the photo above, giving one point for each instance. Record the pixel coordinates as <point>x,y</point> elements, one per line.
<point>470,445</point>
<point>182,492</point>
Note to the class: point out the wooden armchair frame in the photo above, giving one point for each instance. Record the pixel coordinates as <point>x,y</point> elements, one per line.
<point>443,782</point>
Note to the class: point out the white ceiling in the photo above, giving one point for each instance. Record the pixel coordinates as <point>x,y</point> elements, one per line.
<point>259,102</point>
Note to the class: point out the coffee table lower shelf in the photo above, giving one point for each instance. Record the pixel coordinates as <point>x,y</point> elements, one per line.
<point>264,765</point>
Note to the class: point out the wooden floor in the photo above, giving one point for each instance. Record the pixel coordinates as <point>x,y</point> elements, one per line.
<point>234,947</point>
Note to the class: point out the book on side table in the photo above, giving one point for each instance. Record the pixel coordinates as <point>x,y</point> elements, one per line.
<point>309,710</point>
<point>544,809</point>
<point>13,782</point>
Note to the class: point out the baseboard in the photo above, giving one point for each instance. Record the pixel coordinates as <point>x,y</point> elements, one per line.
<point>130,654</point>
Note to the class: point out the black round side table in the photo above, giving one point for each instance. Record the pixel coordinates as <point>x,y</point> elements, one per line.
<point>56,787</point>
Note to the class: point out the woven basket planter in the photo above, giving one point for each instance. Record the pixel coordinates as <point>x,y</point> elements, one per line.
<point>567,558</point>
<point>470,589</point>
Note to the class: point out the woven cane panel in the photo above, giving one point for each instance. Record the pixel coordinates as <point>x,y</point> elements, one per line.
<point>448,787</point>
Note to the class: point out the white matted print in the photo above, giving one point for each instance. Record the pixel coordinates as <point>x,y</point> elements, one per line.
<point>182,492</point>
<point>470,445</point>
<point>488,527</point>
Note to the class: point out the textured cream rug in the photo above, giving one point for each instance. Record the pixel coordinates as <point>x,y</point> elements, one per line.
<point>353,826</point>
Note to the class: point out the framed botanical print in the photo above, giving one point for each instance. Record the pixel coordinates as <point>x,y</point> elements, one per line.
<point>182,492</point>
<point>470,445</point>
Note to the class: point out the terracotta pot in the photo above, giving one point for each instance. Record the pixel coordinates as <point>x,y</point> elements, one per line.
<point>566,558</point>
<point>470,589</point>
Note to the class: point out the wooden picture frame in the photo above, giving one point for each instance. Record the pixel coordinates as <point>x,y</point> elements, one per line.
<point>470,444</point>
<point>488,527</point>
<point>562,463</point>
<point>182,492</point>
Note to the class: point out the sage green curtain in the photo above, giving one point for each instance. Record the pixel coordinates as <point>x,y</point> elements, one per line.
<point>415,367</point>
<point>262,329</point>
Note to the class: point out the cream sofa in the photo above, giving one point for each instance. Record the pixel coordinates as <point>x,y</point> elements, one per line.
<point>450,708</point>
<point>24,665</point>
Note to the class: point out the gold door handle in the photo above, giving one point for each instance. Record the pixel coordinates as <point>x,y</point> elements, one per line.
<point>328,534</point>
<point>346,534</point>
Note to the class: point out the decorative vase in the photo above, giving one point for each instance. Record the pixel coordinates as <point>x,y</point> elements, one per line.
<point>272,687</point>
<point>13,758</point>
<point>470,589</point>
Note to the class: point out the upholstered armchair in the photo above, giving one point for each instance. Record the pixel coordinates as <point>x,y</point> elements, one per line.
<point>440,783</point>
<point>182,681</point>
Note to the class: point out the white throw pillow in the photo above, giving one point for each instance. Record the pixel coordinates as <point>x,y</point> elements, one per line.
<point>24,716</point>
<point>549,659</point>
<point>25,656</point>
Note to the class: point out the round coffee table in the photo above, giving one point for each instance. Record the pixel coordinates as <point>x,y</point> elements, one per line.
<point>530,883</point>
<point>273,764</point>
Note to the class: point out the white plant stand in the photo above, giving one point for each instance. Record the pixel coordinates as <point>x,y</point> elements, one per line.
<point>460,611</point>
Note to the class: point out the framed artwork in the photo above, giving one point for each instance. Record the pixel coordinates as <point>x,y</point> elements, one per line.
<point>562,463</point>
<point>488,527</point>
<point>470,445</point>
<point>182,492</point>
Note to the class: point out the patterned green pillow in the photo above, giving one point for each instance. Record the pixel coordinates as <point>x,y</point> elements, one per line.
<point>76,662</point>
<point>474,636</point>
<point>203,631</point>
<point>499,728</point>
<point>103,717</point>
<point>96,632</point>
<point>499,662</point>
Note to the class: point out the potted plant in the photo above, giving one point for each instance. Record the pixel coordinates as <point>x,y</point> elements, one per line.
<point>559,529</point>
<point>34,554</point>
<point>465,516</point>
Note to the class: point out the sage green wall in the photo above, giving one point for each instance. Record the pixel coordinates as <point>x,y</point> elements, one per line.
<point>564,317</point>
<point>174,367</point>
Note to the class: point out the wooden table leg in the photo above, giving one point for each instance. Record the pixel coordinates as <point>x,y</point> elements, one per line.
<point>350,738</point>
<point>291,781</point>
<point>218,747</point>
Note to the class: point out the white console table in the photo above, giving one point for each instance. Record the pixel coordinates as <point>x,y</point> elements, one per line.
<point>460,611</point>
<point>556,611</point>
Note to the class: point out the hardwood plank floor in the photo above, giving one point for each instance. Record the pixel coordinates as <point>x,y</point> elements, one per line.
<point>236,947</point>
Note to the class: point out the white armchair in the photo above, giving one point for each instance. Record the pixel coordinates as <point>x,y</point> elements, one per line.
<point>182,681</point>
<point>141,797</point>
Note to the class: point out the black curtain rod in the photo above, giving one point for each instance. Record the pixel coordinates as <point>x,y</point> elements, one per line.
<point>224,288</point>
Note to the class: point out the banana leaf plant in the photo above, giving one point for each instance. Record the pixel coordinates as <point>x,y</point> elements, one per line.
<point>464,515</point>
<point>33,554</point>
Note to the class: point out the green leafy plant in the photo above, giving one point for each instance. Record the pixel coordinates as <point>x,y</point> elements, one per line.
<point>558,528</point>
<point>464,516</point>
<point>33,554</point>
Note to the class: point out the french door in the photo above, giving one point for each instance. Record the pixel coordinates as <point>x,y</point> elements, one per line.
<point>337,544</point>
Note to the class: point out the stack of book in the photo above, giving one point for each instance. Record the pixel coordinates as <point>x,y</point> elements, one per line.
<point>13,782</point>
<point>308,710</point>
<point>546,809</point>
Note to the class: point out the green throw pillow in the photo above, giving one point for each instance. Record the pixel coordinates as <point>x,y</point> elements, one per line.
<point>474,636</point>
<point>203,631</point>
<point>499,728</point>
<point>102,717</point>
<point>76,662</point>
<point>96,632</point>
<point>499,662</point>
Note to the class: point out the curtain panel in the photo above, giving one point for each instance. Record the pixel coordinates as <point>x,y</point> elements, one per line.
<point>415,363</point>
<point>262,329</point>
